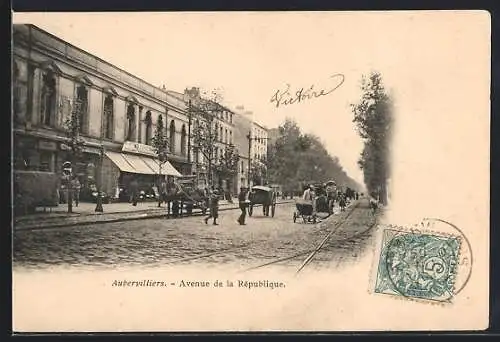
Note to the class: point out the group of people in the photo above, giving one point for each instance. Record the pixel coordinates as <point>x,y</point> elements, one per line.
<point>213,205</point>
<point>332,194</point>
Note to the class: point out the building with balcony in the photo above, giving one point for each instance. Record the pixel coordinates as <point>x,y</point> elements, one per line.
<point>117,113</point>
<point>259,142</point>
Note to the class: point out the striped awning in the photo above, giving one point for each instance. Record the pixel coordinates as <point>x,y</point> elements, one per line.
<point>141,164</point>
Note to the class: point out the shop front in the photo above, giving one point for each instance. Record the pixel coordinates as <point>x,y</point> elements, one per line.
<point>135,163</point>
<point>40,153</point>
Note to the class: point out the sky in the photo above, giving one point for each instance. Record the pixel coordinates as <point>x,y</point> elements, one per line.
<point>249,56</point>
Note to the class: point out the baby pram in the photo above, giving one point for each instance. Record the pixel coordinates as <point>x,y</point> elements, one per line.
<point>304,209</point>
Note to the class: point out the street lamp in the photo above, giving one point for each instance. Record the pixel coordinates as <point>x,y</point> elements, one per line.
<point>250,139</point>
<point>98,207</point>
<point>190,115</point>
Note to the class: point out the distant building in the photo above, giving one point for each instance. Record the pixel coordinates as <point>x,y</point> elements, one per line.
<point>259,142</point>
<point>273,134</point>
<point>253,138</point>
<point>243,125</point>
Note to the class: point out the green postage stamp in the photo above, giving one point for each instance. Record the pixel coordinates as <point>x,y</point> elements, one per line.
<point>418,265</point>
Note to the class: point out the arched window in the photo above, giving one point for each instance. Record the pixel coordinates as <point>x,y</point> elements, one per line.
<point>225,136</point>
<point>149,122</point>
<point>172,137</point>
<point>48,99</point>
<point>131,122</point>
<point>231,137</point>
<point>220,134</point>
<point>108,117</point>
<point>82,107</point>
<point>183,140</point>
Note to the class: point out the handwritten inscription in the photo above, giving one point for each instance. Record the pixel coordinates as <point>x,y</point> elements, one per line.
<point>288,97</point>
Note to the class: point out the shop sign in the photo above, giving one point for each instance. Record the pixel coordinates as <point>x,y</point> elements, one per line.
<point>94,150</point>
<point>138,148</point>
<point>47,145</point>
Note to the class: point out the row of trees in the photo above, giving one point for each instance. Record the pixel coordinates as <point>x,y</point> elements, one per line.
<point>293,159</point>
<point>373,116</point>
<point>296,158</point>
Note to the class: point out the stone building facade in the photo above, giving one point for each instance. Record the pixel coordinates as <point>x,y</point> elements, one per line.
<point>243,125</point>
<point>118,113</point>
<point>222,125</point>
<point>259,141</point>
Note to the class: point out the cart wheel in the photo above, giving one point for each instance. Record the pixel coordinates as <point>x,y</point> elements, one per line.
<point>294,217</point>
<point>273,209</point>
<point>250,210</point>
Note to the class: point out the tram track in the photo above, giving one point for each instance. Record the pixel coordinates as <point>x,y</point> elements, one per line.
<point>311,253</point>
<point>219,252</point>
<point>314,251</point>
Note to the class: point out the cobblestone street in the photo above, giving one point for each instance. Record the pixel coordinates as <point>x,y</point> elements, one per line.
<point>157,242</point>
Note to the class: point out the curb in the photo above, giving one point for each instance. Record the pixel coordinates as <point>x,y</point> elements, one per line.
<point>65,215</point>
<point>142,216</point>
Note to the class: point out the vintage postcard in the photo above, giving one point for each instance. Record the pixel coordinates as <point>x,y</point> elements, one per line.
<point>251,171</point>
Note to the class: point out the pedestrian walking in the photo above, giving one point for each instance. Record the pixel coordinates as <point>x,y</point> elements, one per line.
<point>163,192</point>
<point>213,207</point>
<point>76,185</point>
<point>134,189</point>
<point>242,199</point>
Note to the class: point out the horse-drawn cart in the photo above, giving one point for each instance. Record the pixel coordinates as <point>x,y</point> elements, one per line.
<point>262,195</point>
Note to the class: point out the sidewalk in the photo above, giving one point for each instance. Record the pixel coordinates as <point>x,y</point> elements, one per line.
<point>113,212</point>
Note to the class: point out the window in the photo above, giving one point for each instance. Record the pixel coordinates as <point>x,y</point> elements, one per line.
<point>183,140</point>
<point>242,167</point>
<point>108,117</point>
<point>131,122</point>
<point>172,136</point>
<point>231,118</point>
<point>231,137</point>
<point>148,121</point>
<point>45,163</point>
<point>220,134</point>
<point>81,106</point>
<point>225,136</point>
<point>48,99</point>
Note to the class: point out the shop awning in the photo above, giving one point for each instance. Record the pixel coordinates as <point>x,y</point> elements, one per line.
<point>166,168</point>
<point>141,164</point>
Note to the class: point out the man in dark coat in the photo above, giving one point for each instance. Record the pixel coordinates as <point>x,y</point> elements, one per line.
<point>213,207</point>
<point>134,191</point>
<point>242,199</point>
